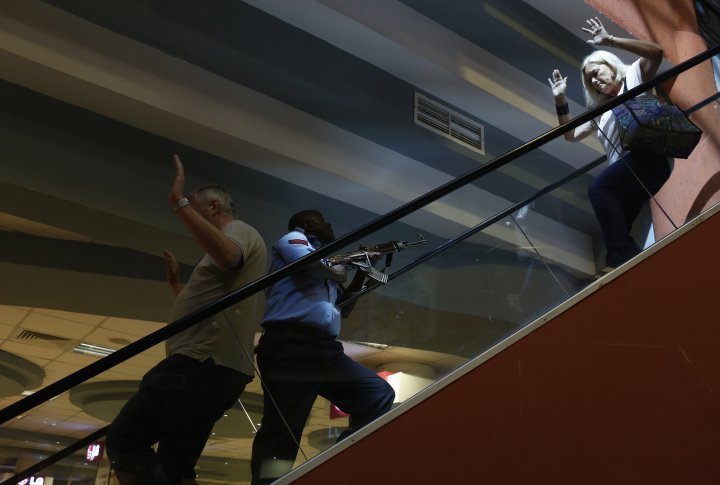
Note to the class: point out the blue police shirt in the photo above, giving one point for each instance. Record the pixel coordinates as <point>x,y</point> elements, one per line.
<point>299,298</point>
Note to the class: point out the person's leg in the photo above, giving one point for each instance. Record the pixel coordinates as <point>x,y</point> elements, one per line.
<point>617,197</point>
<point>286,364</point>
<point>653,172</point>
<point>141,423</point>
<point>355,389</point>
<point>129,442</point>
<point>602,193</point>
<point>210,391</point>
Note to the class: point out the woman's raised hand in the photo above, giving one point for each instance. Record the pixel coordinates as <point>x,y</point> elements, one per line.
<point>598,32</point>
<point>558,83</point>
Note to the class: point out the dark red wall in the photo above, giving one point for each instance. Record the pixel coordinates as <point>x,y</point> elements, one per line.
<point>622,388</point>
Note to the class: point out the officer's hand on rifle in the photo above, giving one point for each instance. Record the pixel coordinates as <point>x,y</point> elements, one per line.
<point>372,255</point>
<point>340,273</point>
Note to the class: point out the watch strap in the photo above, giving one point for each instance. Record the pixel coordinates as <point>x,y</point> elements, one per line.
<point>184,202</point>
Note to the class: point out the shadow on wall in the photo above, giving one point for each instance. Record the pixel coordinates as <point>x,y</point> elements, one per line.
<point>704,197</point>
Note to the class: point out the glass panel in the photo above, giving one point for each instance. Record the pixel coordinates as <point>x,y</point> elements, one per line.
<point>35,435</point>
<point>413,331</point>
<point>431,320</point>
<point>90,406</point>
<point>449,309</point>
<point>84,467</point>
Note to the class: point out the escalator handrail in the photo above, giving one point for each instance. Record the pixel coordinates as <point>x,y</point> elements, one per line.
<point>219,305</point>
<point>428,255</point>
<point>506,212</point>
<point>414,263</point>
<point>52,459</point>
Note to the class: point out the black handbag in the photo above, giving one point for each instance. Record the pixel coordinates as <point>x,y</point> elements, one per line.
<point>648,125</point>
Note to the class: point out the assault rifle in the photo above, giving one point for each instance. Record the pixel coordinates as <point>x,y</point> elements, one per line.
<point>364,258</point>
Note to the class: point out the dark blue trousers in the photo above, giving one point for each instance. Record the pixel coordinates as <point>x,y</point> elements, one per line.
<point>177,405</point>
<point>296,368</point>
<point>617,198</point>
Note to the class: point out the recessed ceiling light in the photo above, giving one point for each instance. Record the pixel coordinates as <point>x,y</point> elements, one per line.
<point>90,349</point>
<point>372,345</point>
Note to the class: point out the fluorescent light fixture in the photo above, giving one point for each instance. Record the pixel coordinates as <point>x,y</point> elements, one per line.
<point>90,349</point>
<point>372,345</point>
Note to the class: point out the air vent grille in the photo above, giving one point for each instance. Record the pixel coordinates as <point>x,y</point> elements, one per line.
<point>32,335</point>
<point>442,120</point>
<point>42,339</point>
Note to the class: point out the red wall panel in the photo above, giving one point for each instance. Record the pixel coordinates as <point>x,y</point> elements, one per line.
<point>621,388</point>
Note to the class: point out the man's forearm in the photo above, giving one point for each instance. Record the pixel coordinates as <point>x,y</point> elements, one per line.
<point>211,239</point>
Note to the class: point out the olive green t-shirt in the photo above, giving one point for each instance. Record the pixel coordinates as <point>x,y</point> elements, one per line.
<point>227,337</point>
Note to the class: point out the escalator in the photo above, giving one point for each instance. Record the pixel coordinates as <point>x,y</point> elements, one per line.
<point>616,385</point>
<point>508,362</point>
<point>548,367</point>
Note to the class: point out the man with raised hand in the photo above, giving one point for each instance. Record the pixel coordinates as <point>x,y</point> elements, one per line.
<point>209,364</point>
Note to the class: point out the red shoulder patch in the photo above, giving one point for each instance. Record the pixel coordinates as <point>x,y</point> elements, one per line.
<point>298,241</point>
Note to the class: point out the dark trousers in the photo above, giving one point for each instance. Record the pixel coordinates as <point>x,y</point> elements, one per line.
<point>617,198</point>
<point>296,367</point>
<point>177,405</point>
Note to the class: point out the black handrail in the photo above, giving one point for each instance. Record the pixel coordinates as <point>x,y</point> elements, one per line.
<point>702,104</point>
<point>187,321</point>
<point>479,227</point>
<point>52,459</point>
<point>414,263</point>
<point>504,213</point>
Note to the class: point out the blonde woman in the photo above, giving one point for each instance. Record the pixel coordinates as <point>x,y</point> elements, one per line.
<point>616,194</point>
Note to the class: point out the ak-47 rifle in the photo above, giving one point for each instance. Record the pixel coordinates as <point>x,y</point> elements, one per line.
<point>364,257</point>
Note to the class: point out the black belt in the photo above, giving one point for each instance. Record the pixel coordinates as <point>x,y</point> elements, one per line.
<point>300,328</point>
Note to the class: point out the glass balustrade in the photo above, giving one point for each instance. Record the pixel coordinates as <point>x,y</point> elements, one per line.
<point>502,256</point>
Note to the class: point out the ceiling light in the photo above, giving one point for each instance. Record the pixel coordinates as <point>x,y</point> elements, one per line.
<point>372,345</point>
<point>90,349</point>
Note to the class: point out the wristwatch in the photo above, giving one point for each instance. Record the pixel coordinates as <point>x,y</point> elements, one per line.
<point>184,202</point>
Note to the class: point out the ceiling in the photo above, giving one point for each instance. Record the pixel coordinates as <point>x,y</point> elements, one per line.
<point>291,105</point>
